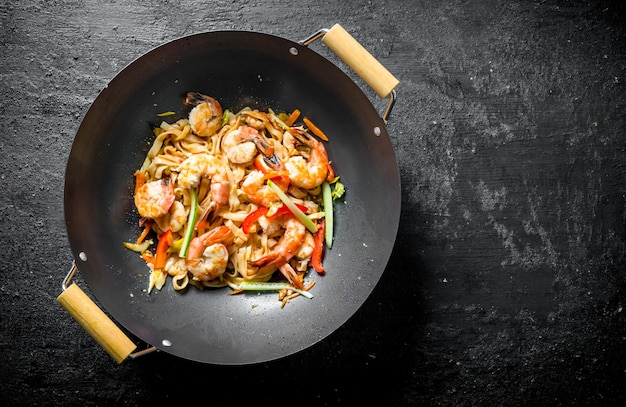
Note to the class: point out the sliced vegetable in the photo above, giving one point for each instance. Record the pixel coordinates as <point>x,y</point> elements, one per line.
<point>271,286</point>
<point>327,200</point>
<point>193,213</point>
<point>316,130</point>
<point>306,221</point>
<point>144,233</point>
<point>164,114</point>
<point>318,248</point>
<point>176,245</point>
<point>292,117</point>
<point>251,219</point>
<point>138,247</point>
<point>277,120</point>
<point>338,190</point>
<point>285,209</point>
<point>160,258</point>
<point>226,116</point>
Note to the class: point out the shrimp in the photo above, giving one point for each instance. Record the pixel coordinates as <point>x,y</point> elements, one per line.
<point>197,166</point>
<point>206,116</point>
<point>241,145</point>
<point>306,249</point>
<point>257,190</point>
<point>310,173</point>
<point>304,252</point>
<point>154,199</point>
<point>291,275</point>
<point>175,266</point>
<point>211,265</point>
<point>208,256</point>
<point>286,247</point>
<point>174,219</point>
<point>254,184</point>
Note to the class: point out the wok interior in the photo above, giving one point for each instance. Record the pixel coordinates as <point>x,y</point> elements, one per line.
<point>239,69</point>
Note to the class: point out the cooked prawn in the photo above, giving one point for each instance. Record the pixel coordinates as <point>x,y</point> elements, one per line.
<point>154,199</point>
<point>306,249</point>
<point>257,190</point>
<point>206,116</point>
<point>175,266</point>
<point>174,219</point>
<point>286,247</point>
<point>290,274</point>
<point>207,257</point>
<point>241,145</point>
<point>308,173</point>
<point>211,265</point>
<point>197,166</point>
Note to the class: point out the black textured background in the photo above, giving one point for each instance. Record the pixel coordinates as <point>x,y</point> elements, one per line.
<point>507,284</point>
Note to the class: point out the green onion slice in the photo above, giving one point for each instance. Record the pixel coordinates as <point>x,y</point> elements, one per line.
<point>270,286</point>
<point>327,199</point>
<point>191,222</point>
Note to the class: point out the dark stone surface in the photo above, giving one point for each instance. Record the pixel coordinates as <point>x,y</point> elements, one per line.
<point>507,284</point>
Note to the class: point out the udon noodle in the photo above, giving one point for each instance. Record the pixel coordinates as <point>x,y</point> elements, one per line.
<point>209,199</point>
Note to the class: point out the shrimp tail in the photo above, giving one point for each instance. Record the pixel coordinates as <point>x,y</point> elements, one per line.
<point>203,219</point>
<point>302,136</point>
<point>195,98</point>
<point>273,162</point>
<point>199,243</point>
<point>274,260</point>
<point>270,259</point>
<point>291,275</point>
<point>259,141</point>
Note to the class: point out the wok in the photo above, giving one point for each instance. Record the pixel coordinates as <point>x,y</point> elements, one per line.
<point>239,69</point>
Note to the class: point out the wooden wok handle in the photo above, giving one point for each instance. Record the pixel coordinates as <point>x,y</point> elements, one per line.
<point>96,323</point>
<point>360,60</point>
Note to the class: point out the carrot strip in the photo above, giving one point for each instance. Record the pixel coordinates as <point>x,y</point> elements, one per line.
<point>165,241</point>
<point>316,130</point>
<point>142,236</point>
<point>292,117</point>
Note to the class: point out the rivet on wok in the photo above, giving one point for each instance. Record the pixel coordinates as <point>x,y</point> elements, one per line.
<point>377,131</point>
<point>82,256</point>
<point>165,342</point>
<point>293,51</point>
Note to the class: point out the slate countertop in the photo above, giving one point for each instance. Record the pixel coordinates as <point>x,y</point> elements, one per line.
<point>508,281</point>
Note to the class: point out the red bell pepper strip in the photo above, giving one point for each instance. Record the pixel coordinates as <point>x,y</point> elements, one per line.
<point>165,241</point>
<point>252,218</point>
<point>246,225</point>
<point>276,172</point>
<point>316,256</point>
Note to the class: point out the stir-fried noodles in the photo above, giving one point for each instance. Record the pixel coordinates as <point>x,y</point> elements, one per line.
<point>228,199</point>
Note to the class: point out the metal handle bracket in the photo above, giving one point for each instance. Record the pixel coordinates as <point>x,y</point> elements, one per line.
<point>360,61</point>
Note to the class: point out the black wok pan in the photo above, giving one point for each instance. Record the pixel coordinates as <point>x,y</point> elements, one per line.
<point>239,69</point>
